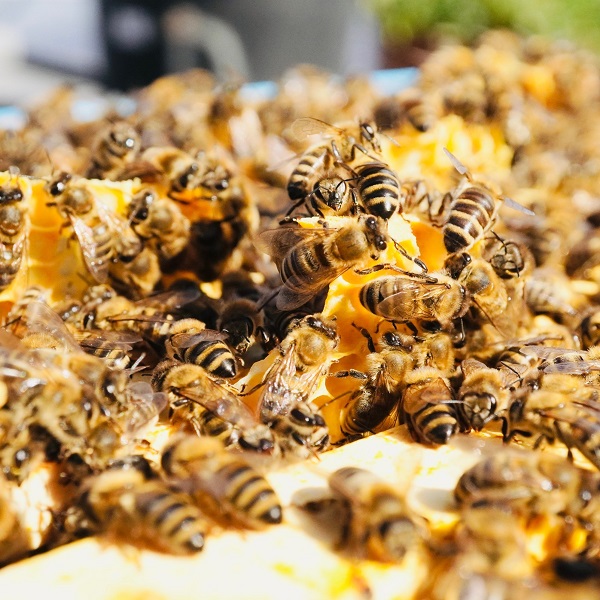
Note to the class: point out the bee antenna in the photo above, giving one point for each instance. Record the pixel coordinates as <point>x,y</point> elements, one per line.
<point>456,163</point>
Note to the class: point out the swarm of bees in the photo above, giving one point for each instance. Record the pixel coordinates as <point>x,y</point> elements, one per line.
<point>212,288</point>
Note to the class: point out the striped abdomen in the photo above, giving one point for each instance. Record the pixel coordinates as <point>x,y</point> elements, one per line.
<point>249,494</point>
<point>212,355</point>
<point>428,413</point>
<point>472,214</point>
<point>367,409</point>
<point>379,189</point>
<point>301,180</point>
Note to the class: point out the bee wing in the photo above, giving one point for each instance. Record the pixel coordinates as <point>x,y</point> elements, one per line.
<point>106,339</point>
<point>516,206</point>
<point>220,401</point>
<point>187,340</point>
<point>142,169</point>
<point>577,367</point>
<point>144,406</point>
<point>305,126</point>
<point>112,220</point>
<point>40,318</point>
<point>394,306</point>
<point>279,241</point>
<point>98,268</point>
<point>171,300</point>
<point>462,170</point>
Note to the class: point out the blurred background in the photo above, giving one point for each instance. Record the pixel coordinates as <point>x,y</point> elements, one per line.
<point>123,44</point>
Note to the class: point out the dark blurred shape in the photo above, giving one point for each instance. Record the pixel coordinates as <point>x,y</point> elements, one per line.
<point>135,46</point>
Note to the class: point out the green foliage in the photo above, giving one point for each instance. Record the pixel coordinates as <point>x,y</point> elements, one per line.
<point>404,20</point>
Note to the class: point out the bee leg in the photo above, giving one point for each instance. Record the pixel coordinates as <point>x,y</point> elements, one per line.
<point>367,335</point>
<point>350,373</point>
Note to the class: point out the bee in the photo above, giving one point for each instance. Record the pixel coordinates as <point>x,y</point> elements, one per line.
<point>190,342</point>
<point>103,236</point>
<point>510,259</point>
<point>378,521</point>
<point>418,197</point>
<point>18,311</point>
<point>159,222</point>
<point>379,189</point>
<point>589,329</point>
<point>421,110</point>
<point>472,212</point>
<point>483,396</point>
<point>136,277</point>
<point>152,318</point>
<point>427,407</point>
<point>242,321</point>
<point>221,482</point>
<point>289,383</point>
<point>306,353</point>
<point>115,146</point>
<point>532,483</point>
<point>402,298</point>
<point>308,260</point>
<point>331,195</point>
<point>341,148</point>
<point>548,291</point>
<point>212,409</point>
<point>124,502</point>
<point>376,400</point>
<point>14,229</point>
<point>564,408</point>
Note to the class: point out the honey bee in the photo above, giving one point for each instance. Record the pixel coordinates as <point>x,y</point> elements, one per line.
<point>136,277</point>
<point>289,383</point>
<point>152,318</point>
<point>472,212</point>
<point>427,406</point>
<point>159,222</point>
<point>14,229</point>
<point>306,353</point>
<point>242,321</point>
<point>190,342</point>
<point>589,329</point>
<point>223,483</point>
<point>402,298</point>
<point>211,408</point>
<point>103,236</point>
<point>308,260</point>
<point>341,147</point>
<point>563,409</point>
<point>510,259</point>
<point>379,523</point>
<point>123,502</point>
<point>376,400</point>
<point>418,197</point>
<point>547,291</point>
<point>331,195</point>
<point>483,396</point>
<point>115,146</point>
<point>531,483</point>
<point>379,189</point>
<point>421,110</point>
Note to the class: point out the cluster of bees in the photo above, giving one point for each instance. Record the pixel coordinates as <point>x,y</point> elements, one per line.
<point>267,279</point>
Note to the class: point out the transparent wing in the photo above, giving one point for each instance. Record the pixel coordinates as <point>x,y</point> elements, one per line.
<point>171,300</point>
<point>394,306</point>
<point>305,126</point>
<point>98,267</point>
<point>220,401</point>
<point>40,318</point>
<point>187,340</point>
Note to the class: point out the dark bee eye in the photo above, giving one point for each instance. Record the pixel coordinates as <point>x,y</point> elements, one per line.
<point>221,185</point>
<point>380,244</point>
<point>141,214</point>
<point>371,223</point>
<point>129,143</point>
<point>368,131</point>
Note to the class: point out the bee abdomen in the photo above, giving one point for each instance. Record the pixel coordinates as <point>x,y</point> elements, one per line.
<point>471,214</point>
<point>252,495</point>
<point>379,189</point>
<point>179,523</point>
<point>215,357</point>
